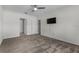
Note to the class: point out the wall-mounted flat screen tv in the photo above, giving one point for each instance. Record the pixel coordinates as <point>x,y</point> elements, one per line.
<point>51,20</point>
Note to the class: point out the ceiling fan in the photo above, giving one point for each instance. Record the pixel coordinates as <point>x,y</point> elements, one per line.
<point>36,7</point>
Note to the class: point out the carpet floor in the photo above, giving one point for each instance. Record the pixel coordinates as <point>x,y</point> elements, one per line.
<point>36,44</point>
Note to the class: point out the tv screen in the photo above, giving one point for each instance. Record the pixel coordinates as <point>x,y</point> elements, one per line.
<point>51,20</point>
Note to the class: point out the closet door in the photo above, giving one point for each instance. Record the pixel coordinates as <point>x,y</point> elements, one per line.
<point>34,26</point>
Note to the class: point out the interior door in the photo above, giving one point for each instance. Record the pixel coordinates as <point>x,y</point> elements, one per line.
<point>22,21</point>
<point>39,27</point>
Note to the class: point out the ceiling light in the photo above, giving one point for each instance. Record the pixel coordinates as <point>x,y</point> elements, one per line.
<point>35,9</point>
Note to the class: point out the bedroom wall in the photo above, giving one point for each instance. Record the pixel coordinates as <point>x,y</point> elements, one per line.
<point>1,21</point>
<point>67,26</point>
<point>12,24</point>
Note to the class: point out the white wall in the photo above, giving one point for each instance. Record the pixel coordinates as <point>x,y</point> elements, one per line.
<point>67,26</point>
<point>12,24</point>
<point>1,24</point>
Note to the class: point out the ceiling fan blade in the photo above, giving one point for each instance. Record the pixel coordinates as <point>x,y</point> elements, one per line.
<point>35,5</point>
<point>41,7</point>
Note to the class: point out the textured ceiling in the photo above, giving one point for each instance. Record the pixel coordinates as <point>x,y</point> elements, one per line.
<point>28,8</point>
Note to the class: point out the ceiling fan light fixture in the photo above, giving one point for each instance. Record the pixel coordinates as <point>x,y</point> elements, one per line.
<point>35,9</point>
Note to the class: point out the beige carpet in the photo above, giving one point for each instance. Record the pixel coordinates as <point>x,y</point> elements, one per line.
<point>36,44</point>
